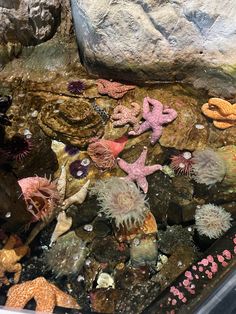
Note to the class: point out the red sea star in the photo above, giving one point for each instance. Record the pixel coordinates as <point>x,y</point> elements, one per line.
<point>123,115</point>
<point>113,89</point>
<point>137,171</point>
<point>155,118</point>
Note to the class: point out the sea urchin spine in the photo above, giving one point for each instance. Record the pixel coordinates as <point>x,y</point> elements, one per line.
<point>182,163</point>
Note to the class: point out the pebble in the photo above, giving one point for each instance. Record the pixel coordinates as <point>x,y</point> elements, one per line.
<point>27,133</point>
<point>88,228</point>
<point>199,126</point>
<point>8,215</point>
<point>34,114</point>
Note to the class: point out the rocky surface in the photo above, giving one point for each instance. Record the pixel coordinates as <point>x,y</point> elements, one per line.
<point>28,22</point>
<point>168,41</point>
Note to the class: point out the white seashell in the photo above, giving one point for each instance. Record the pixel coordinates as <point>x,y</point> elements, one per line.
<point>57,146</point>
<point>63,224</point>
<point>61,183</point>
<point>77,198</point>
<point>105,281</point>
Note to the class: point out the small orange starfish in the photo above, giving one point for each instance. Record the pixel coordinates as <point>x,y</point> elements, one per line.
<point>46,295</point>
<point>9,256</point>
<point>113,89</point>
<point>221,111</point>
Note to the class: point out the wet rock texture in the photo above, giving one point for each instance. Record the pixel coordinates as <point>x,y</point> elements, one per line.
<point>160,40</point>
<point>28,22</point>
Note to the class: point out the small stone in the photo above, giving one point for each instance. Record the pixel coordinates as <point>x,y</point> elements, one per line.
<point>88,228</point>
<point>199,126</point>
<point>88,262</point>
<point>105,280</point>
<point>8,215</point>
<point>27,133</point>
<point>34,114</point>
<point>80,278</point>
<point>136,242</point>
<point>187,155</point>
<point>85,162</point>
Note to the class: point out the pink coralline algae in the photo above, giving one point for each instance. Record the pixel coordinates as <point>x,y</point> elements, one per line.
<point>156,115</point>
<point>195,279</point>
<point>137,171</point>
<point>41,197</point>
<point>123,115</point>
<point>113,89</point>
<point>182,163</point>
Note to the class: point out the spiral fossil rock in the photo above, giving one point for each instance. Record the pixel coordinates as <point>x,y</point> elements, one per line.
<point>71,122</point>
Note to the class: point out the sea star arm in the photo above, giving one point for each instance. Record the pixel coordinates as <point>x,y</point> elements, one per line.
<point>142,158</point>
<point>136,108</point>
<point>169,115</point>
<point>156,134</point>
<point>17,270</point>
<point>123,165</point>
<point>64,300</point>
<point>19,295</point>
<point>151,169</point>
<point>142,128</point>
<point>45,300</point>
<point>120,122</point>
<point>157,106</point>
<point>146,107</point>
<point>143,184</point>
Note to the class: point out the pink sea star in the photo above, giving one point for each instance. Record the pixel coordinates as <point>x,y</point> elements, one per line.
<point>137,171</point>
<point>123,115</point>
<point>113,89</point>
<point>155,118</point>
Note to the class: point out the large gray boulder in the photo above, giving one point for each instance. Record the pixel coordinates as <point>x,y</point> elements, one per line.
<point>28,22</point>
<point>155,40</point>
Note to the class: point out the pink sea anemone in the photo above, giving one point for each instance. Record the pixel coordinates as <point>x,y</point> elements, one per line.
<point>41,196</point>
<point>122,201</point>
<point>104,152</point>
<point>182,163</point>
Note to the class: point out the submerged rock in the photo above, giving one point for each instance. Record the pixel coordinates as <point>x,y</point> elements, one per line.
<point>173,237</point>
<point>67,256</point>
<point>190,41</point>
<point>73,121</point>
<point>13,213</point>
<point>28,22</point>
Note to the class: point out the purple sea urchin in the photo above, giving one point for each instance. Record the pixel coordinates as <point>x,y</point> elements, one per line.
<point>208,168</point>
<point>71,150</point>
<point>121,200</point>
<point>76,87</point>
<point>182,163</point>
<point>212,221</point>
<point>78,170</point>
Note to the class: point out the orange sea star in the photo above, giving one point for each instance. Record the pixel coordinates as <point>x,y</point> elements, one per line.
<point>113,89</point>
<point>221,111</point>
<point>46,295</point>
<point>9,256</point>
